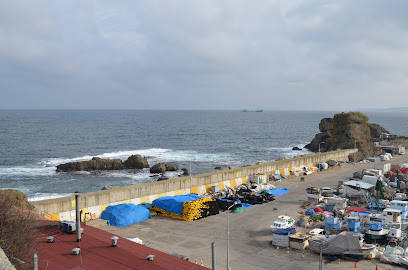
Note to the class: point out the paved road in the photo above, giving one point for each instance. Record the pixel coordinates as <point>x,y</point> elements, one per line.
<point>249,231</point>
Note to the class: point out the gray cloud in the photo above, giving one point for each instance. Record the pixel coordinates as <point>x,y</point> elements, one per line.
<point>202,55</point>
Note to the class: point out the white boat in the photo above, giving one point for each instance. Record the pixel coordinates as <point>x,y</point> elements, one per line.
<point>283,222</point>
<point>376,230</point>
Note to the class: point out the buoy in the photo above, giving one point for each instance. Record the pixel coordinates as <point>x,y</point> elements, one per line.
<point>287,251</point>
<point>355,265</point>
<point>202,263</point>
<point>195,261</point>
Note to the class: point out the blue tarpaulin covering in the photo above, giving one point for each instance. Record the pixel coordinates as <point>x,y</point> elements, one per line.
<point>277,191</point>
<point>245,205</point>
<point>285,231</point>
<point>123,215</point>
<point>174,204</point>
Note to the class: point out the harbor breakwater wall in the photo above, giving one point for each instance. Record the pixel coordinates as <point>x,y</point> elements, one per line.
<point>92,204</point>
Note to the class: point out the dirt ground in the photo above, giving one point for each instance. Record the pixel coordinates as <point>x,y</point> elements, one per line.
<point>249,231</point>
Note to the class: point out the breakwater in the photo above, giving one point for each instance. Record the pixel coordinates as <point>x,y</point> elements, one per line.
<point>92,204</point>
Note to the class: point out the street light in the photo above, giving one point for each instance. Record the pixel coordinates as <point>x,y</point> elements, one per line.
<point>319,154</point>
<point>228,234</point>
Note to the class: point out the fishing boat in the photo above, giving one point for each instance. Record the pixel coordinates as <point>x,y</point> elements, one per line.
<point>283,222</point>
<point>376,230</point>
<point>344,244</point>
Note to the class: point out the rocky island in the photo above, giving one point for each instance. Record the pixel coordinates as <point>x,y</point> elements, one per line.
<point>345,131</point>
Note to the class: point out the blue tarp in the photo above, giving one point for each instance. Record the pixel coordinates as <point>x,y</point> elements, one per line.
<point>123,215</point>
<point>174,204</point>
<point>310,212</point>
<point>285,231</point>
<point>277,191</point>
<point>245,205</point>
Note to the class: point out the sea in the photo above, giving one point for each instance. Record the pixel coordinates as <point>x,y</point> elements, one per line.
<point>34,142</point>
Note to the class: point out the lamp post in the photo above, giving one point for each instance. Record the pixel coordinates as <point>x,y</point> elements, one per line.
<point>319,154</point>
<point>228,268</point>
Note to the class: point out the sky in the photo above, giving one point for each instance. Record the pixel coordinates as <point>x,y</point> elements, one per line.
<point>203,55</point>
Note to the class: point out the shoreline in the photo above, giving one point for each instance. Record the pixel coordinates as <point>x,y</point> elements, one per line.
<point>249,231</point>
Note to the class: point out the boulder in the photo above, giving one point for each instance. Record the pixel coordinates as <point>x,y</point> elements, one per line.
<point>171,167</point>
<point>158,168</point>
<point>91,165</point>
<point>136,162</point>
<point>16,197</point>
<point>377,130</point>
<point>296,148</point>
<point>326,124</point>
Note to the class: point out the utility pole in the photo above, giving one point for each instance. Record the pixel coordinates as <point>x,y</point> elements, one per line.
<point>321,255</point>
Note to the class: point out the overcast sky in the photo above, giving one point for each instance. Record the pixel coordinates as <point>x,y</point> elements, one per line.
<point>297,54</point>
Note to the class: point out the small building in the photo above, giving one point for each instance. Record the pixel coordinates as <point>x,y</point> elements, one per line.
<point>299,241</point>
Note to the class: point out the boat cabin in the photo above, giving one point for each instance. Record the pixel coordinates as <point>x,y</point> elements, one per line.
<point>354,224</point>
<point>400,205</point>
<point>283,222</point>
<point>332,223</point>
<point>391,216</point>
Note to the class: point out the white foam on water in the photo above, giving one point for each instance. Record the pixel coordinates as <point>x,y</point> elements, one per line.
<point>26,171</point>
<point>151,154</point>
<point>45,196</point>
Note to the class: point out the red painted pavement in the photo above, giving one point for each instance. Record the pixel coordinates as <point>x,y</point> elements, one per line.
<point>97,252</point>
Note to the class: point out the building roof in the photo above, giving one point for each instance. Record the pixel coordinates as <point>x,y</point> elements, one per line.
<point>97,252</point>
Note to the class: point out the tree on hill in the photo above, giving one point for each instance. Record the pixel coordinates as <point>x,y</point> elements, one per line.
<point>17,229</point>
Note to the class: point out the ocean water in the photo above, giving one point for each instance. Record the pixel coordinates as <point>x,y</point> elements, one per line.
<point>34,142</point>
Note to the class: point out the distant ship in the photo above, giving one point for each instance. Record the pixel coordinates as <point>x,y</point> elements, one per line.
<point>245,110</point>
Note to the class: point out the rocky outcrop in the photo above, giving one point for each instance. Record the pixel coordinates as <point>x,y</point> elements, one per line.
<point>171,167</point>
<point>91,165</point>
<point>345,131</point>
<point>136,162</point>
<point>377,130</point>
<point>158,168</point>
<point>16,197</point>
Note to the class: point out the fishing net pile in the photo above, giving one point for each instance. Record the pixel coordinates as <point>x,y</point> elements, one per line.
<point>185,207</point>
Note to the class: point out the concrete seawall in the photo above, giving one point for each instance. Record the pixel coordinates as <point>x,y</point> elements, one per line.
<point>94,203</point>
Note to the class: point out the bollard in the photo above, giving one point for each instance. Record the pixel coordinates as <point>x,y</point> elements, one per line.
<point>287,251</point>
<point>338,261</point>
<point>355,265</point>
<point>195,261</point>
<point>201,263</point>
<point>303,254</point>
<point>277,247</point>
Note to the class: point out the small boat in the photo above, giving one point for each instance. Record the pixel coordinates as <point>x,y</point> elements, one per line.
<point>345,243</point>
<point>318,232</point>
<point>376,230</point>
<point>283,222</point>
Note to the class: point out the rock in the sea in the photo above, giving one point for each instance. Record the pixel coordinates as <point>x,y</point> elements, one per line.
<point>158,168</point>
<point>136,162</point>
<point>296,148</point>
<point>345,130</point>
<point>91,165</point>
<point>171,167</point>
<point>162,178</point>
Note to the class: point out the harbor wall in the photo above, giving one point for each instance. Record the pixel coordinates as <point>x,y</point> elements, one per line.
<point>92,204</point>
